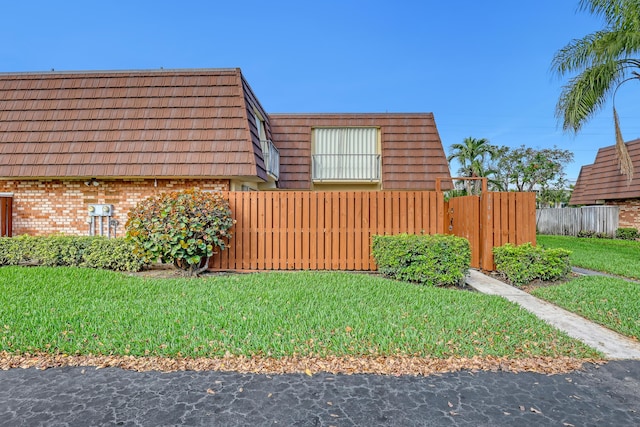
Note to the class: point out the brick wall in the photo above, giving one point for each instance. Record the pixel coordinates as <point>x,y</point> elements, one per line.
<point>42,207</point>
<point>629,212</point>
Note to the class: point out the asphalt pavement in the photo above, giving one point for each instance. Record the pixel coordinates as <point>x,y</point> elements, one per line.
<point>605,395</point>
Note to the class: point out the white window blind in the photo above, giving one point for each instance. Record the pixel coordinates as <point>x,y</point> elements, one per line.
<point>345,154</point>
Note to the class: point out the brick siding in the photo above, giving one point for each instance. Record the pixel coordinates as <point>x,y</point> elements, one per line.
<point>42,207</point>
<point>629,212</point>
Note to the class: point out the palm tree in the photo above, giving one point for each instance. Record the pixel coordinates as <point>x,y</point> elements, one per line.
<point>472,154</point>
<point>604,61</point>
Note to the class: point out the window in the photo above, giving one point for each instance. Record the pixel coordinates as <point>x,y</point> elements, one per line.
<point>270,153</point>
<point>346,154</point>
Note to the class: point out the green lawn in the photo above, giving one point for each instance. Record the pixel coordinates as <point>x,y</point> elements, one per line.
<point>619,257</point>
<point>83,311</point>
<point>614,303</point>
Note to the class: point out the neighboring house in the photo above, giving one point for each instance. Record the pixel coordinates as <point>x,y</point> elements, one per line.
<point>602,183</point>
<point>82,148</point>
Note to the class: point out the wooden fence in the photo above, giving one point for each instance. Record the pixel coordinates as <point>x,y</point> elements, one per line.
<point>492,219</point>
<point>6,213</point>
<point>292,230</point>
<point>570,221</point>
<point>301,230</point>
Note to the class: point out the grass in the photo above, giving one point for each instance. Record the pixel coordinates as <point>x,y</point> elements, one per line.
<point>614,303</point>
<point>82,311</point>
<point>619,257</point>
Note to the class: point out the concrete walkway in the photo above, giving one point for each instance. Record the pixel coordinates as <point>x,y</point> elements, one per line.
<point>610,343</point>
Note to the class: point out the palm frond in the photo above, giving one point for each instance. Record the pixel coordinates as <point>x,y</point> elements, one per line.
<point>624,159</point>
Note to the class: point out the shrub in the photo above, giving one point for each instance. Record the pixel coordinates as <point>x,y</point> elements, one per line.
<point>60,250</point>
<point>14,250</point>
<point>112,254</point>
<point>586,233</point>
<point>524,263</point>
<point>627,233</point>
<point>180,227</point>
<point>74,251</point>
<point>427,259</point>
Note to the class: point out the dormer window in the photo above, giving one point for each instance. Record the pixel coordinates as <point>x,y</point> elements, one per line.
<point>346,154</point>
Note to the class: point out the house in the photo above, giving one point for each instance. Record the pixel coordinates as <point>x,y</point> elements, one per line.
<point>602,183</point>
<point>82,148</point>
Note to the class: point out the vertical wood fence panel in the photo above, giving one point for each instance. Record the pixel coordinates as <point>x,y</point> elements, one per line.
<point>506,218</point>
<point>287,230</point>
<point>463,221</point>
<point>490,220</point>
<point>570,221</point>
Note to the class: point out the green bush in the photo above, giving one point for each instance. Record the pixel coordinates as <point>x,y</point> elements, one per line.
<point>60,250</point>
<point>180,227</point>
<point>586,233</point>
<point>435,260</point>
<point>524,263</point>
<point>627,233</point>
<point>73,251</point>
<point>593,234</point>
<point>112,254</point>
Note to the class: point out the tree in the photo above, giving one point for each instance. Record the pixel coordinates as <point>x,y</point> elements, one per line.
<point>529,169</point>
<point>472,155</point>
<point>180,227</point>
<point>556,195</point>
<point>604,60</point>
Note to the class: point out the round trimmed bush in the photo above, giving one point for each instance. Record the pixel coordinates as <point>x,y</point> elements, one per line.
<point>180,227</point>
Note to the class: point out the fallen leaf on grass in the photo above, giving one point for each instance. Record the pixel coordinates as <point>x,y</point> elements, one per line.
<point>381,365</point>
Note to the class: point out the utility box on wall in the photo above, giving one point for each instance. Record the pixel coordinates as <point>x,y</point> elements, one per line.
<point>100,220</point>
<point>100,210</point>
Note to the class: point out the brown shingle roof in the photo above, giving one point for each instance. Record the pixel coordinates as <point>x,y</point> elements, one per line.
<point>603,181</point>
<point>156,123</point>
<point>412,153</point>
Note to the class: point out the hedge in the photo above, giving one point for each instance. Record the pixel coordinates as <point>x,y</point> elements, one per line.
<point>78,251</point>
<point>525,263</point>
<point>436,260</point>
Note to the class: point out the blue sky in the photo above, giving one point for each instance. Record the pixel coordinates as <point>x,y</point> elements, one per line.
<point>482,68</point>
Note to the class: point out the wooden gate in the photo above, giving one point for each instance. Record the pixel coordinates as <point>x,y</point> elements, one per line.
<point>6,225</point>
<point>463,217</point>
<point>490,220</point>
